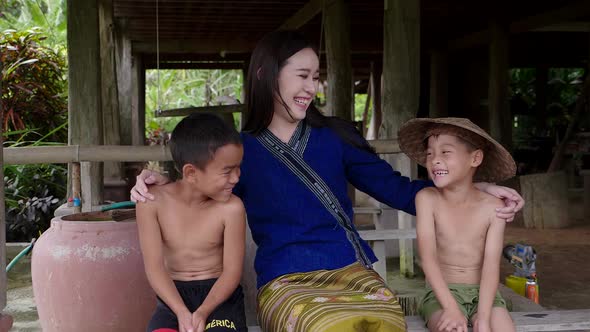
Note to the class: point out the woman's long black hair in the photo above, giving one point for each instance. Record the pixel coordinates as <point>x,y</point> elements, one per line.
<point>269,57</point>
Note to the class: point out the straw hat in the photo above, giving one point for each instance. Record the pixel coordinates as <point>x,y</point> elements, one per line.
<point>497,162</point>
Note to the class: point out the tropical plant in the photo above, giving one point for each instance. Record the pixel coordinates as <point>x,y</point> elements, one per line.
<point>32,192</point>
<point>49,16</point>
<point>33,84</point>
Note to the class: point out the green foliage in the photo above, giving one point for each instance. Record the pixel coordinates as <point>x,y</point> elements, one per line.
<point>32,192</point>
<point>33,94</point>
<point>563,88</point>
<point>187,88</point>
<point>47,16</point>
<point>35,110</point>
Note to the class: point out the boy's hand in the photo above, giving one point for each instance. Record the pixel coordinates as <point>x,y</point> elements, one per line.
<point>452,320</point>
<point>139,192</point>
<point>481,325</point>
<point>199,320</point>
<point>185,322</point>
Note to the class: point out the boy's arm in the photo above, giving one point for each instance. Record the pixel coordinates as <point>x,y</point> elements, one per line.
<point>426,238</point>
<point>234,237</point>
<point>490,274</point>
<point>150,240</point>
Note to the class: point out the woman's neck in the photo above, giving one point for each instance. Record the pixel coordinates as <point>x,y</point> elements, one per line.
<point>282,129</point>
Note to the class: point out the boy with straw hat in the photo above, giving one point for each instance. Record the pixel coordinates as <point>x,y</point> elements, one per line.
<point>460,238</point>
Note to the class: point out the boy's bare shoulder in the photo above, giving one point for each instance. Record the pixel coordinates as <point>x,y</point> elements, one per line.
<point>233,206</point>
<point>489,200</point>
<point>428,194</point>
<point>161,194</point>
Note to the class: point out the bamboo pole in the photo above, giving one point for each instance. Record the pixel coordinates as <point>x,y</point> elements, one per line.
<point>77,153</point>
<point>76,188</point>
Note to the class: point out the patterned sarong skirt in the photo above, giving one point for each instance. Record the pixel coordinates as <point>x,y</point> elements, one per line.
<point>352,299</point>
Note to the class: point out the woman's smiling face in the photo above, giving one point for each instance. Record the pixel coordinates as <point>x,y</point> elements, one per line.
<point>298,84</point>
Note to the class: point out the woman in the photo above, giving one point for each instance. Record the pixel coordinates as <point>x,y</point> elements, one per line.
<point>314,271</point>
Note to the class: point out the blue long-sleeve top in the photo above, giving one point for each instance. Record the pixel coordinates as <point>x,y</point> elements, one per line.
<point>293,230</point>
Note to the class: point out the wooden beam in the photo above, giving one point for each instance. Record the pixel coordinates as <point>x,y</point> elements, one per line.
<point>340,95</point>
<point>222,109</point>
<point>77,153</point>
<point>219,46</point>
<point>575,10</point>
<point>124,83</point>
<point>303,15</point>
<point>84,89</point>
<point>137,101</point>
<point>195,65</point>
<point>109,85</point>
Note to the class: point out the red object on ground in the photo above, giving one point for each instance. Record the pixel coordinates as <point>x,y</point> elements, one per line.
<point>89,276</point>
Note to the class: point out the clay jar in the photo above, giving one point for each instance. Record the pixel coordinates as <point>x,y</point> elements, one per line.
<point>89,276</point>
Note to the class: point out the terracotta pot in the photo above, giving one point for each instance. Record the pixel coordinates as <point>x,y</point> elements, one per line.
<point>89,276</point>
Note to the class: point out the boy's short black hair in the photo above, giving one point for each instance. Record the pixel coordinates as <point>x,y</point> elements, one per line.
<point>196,138</point>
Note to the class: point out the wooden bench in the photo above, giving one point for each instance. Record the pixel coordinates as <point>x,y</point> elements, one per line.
<point>558,320</point>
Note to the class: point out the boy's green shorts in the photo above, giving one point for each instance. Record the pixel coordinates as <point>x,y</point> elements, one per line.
<point>467,297</point>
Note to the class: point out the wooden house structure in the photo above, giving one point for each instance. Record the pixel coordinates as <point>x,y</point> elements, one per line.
<point>429,58</point>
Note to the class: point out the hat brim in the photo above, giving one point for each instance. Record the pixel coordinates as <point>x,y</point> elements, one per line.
<point>498,164</point>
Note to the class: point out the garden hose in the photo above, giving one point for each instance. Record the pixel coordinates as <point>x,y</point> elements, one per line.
<point>118,205</point>
<point>20,255</point>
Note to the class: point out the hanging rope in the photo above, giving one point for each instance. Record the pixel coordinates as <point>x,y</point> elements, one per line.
<point>158,106</point>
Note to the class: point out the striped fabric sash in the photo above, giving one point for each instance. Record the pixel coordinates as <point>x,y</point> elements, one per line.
<point>347,299</point>
<point>291,155</point>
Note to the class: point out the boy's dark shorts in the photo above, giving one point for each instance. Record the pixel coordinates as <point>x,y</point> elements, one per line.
<point>228,316</point>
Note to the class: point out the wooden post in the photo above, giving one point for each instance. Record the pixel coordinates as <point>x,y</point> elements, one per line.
<point>84,91</point>
<point>115,187</point>
<point>340,94</point>
<point>401,89</point>
<point>439,82</point>
<point>500,120</point>
<point>376,86</point>
<point>367,104</point>
<point>138,102</point>
<point>124,82</point>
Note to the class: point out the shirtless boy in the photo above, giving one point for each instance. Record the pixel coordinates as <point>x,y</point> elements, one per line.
<point>192,233</point>
<point>460,238</point>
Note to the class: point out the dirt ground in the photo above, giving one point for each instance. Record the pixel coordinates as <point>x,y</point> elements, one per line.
<point>562,265</point>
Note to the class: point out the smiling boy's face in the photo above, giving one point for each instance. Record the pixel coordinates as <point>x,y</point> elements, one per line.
<point>449,160</point>
<point>222,173</point>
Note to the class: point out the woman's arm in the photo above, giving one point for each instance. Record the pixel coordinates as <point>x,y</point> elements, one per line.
<point>374,176</point>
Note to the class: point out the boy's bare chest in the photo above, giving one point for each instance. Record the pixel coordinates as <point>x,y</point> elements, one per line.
<point>180,224</point>
<point>461,224</point>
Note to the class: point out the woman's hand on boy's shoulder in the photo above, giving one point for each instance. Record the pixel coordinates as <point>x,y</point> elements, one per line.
<point>140,192</point>
<point>512,200</point>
